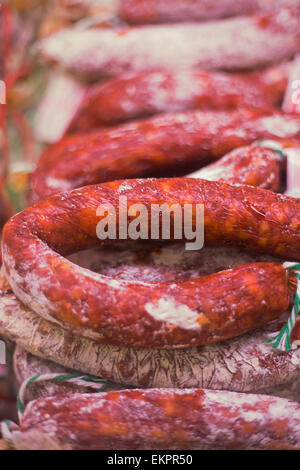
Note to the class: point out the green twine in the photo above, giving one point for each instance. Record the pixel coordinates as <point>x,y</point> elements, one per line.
<point>282,340</point>
<point>8,427</point>
<point>272,145</point>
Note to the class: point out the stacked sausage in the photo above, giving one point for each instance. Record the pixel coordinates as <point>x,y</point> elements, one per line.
<point>187,330</point>
<point>147,78</point>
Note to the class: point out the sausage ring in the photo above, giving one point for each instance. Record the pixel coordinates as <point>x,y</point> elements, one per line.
<point>165,145</point>
<point>136,314</point>
<point>171,419</point>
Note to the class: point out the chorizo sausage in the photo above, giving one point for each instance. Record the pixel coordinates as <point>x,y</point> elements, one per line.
<point>164,145</point>
<point>161,11</point>
<point>252,165</point>
<point>262,39</point>
<point>243,364</point>
<point>132,96</point>
<point>120,312</point>
<point>171,419</point>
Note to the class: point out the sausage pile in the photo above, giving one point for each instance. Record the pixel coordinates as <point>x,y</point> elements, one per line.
<point>179,104</point>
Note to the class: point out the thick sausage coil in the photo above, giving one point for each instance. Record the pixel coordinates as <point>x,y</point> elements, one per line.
<point>231,44</point>
<point>161,419</point>
<point>154,314</point>
<point>160,11</point>
<point>243,364</point>
<point>165,145</point>
<point>132,96</point>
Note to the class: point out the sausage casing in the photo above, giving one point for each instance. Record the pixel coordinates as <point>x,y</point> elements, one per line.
<point>162,419</point>
<point>170,144</point>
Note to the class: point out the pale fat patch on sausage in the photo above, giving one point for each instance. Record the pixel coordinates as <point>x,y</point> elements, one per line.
<point>57,183</point>
<point>178,314</point>
<point>280,126</point>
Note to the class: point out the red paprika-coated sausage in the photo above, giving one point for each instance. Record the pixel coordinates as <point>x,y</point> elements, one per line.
<point>262,39</point>
<point>160,11</point>
<point>253,165</point>
<point>135,314</point>
<point>131,96</point>
<point>165,145</point>
<point>161,419</point>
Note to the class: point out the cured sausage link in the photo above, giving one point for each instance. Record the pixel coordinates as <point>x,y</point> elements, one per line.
<point>252,165</point>
<point>161,419</point>
<point>165,145</point>
<point>160,11</point>
<point>136,314</point>
<point>262,40</point>
<point>132,96</point>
